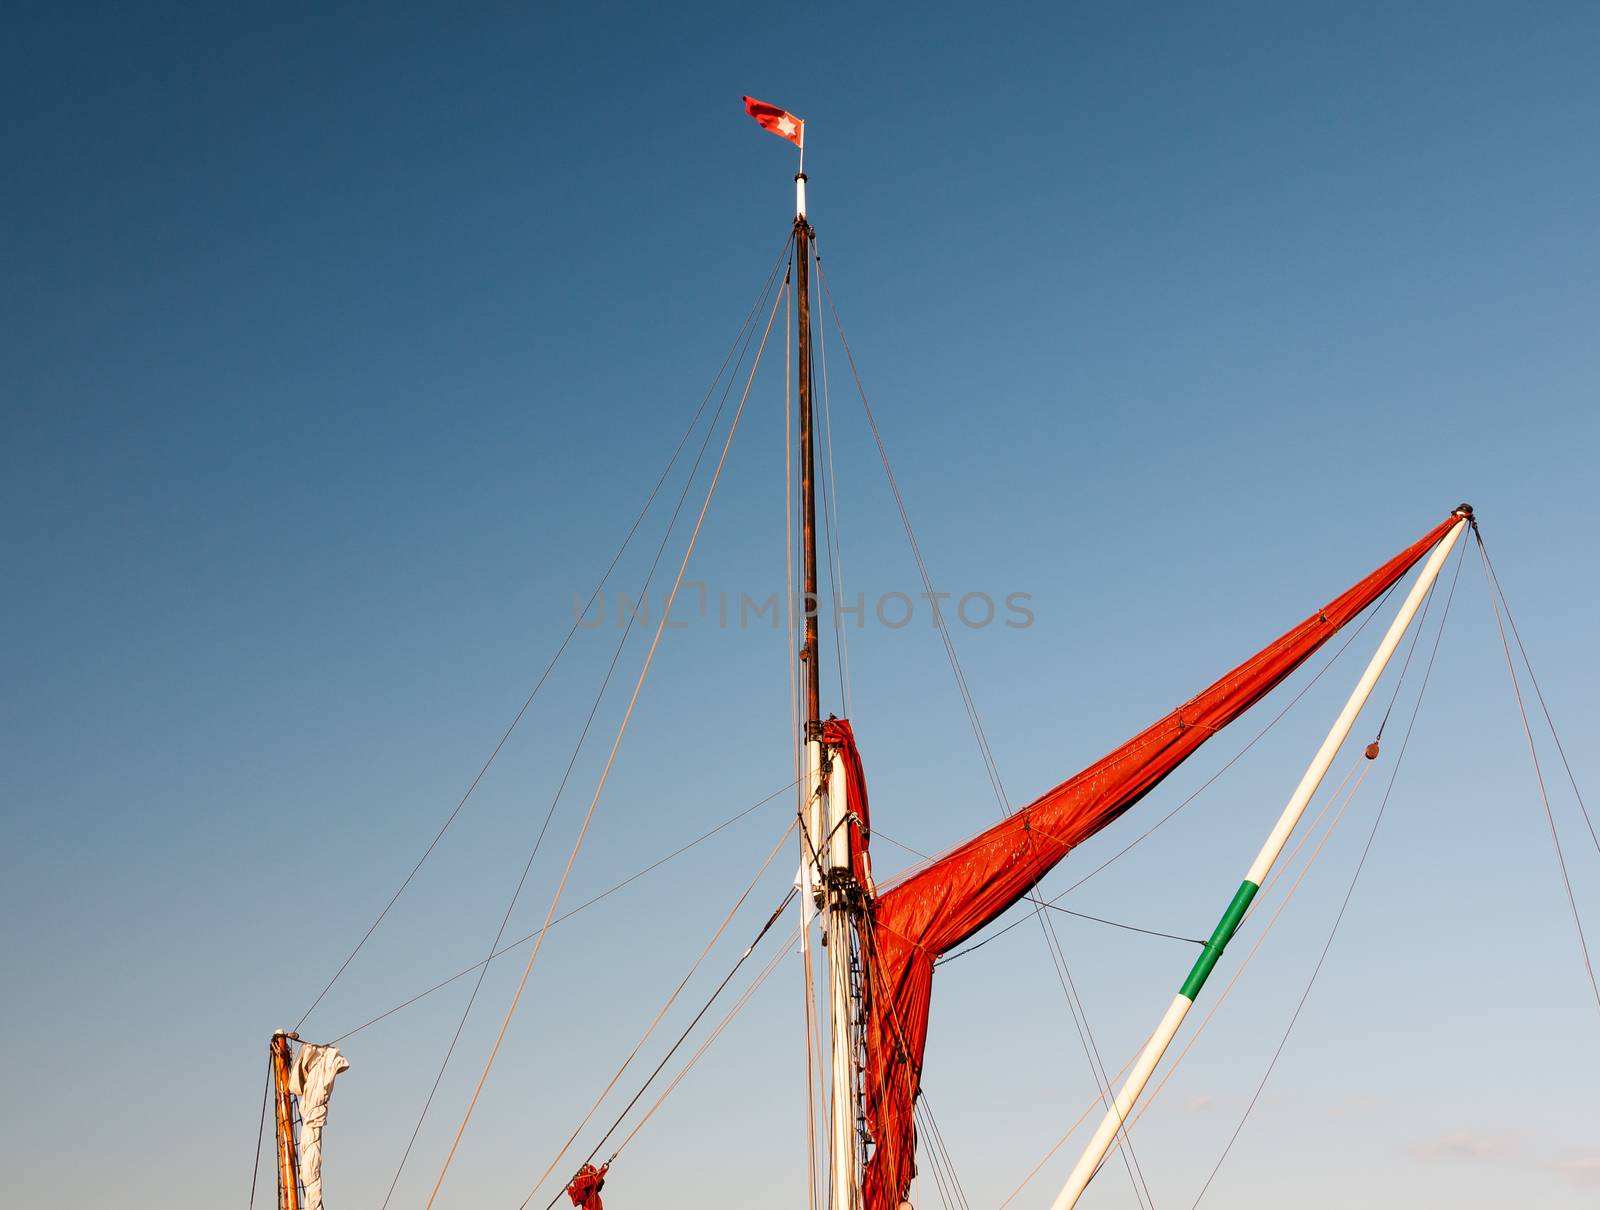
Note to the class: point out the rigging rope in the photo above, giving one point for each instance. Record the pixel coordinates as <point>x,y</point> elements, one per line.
<point>1355,878</point>
<point>738,1006</point>
<point>1538,773</point>
<point>877,834</point>
<point>1203,787</point>
<point>644,672</point>
<point>1266,891</point>
<point>1132,928</point>
<point>577,748</point>
<point>665,1008</point>
<point>1362,763</point>
<point>832,537</point>
<point>565,916</point>
<point>566,640</point>
<point>1539,693</point>
<point>1058,957</point>
<point>261,1131</point>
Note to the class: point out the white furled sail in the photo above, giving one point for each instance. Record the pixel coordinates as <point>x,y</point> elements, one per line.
<point>311,1080</point>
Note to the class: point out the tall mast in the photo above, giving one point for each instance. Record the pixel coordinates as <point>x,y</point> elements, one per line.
<point>283,1099</point>
<point>826,797</point>
<point>808,488</point>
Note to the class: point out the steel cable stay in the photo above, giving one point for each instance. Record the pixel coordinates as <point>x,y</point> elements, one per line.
<point>742,338</point>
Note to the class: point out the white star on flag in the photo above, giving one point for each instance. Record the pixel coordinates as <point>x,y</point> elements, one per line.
<point>780,122</point>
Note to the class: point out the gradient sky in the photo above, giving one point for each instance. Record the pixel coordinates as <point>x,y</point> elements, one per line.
<point>342,345</point>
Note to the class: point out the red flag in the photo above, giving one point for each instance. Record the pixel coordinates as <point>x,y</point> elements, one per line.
<point>782,123</point>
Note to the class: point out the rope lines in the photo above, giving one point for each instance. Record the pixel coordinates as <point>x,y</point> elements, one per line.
<point>831,530</point>
<point>1148,1102</point>
<point>1355,877</point>
<point>1538,772</point>
<point>261,1131</point>
<point>743,336</point>
<point>665,1008</point>
<point>970,706</point>
<point>738,1006</point>
<point>1307,834</point>
<point>565,916</point>
<point>1201,789</point>
<point>1539,693</point>
<point>616,745</point>
<point>944,1172</point>
<point>992,768</point>
<point>577,748</point>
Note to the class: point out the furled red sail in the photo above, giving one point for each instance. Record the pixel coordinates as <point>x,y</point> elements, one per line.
<point>941,906</point>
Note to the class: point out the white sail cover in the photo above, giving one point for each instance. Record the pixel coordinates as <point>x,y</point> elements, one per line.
<point>311,1079</point>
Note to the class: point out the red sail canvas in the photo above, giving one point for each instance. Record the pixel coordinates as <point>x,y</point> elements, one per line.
<point>944,904</point>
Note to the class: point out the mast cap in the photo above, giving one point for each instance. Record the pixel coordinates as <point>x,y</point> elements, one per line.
<point>1462,510</point>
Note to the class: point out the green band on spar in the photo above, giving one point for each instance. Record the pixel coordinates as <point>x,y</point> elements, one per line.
<point>1220,936</point>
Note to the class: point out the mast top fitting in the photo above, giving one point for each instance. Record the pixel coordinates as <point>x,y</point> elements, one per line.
<point>1463,510</point>
<point>800,195</point>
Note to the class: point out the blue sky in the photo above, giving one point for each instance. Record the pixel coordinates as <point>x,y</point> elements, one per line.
<point>341,347</point>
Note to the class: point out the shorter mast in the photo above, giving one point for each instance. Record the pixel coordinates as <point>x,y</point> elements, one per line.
<point>1116,1117</point>
<point>283,1100</point>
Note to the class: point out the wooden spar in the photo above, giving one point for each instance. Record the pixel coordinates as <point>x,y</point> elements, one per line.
<point>1113,1124</point>
<point>288,1160</point>
<point>827,806</point>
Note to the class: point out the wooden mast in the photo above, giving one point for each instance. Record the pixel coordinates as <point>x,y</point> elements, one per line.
<point>827,806</point>
<point>808,488</point>
<point>288,1161</point>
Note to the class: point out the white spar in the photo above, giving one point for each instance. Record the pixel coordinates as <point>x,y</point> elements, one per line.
<point>1112,1124</point>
